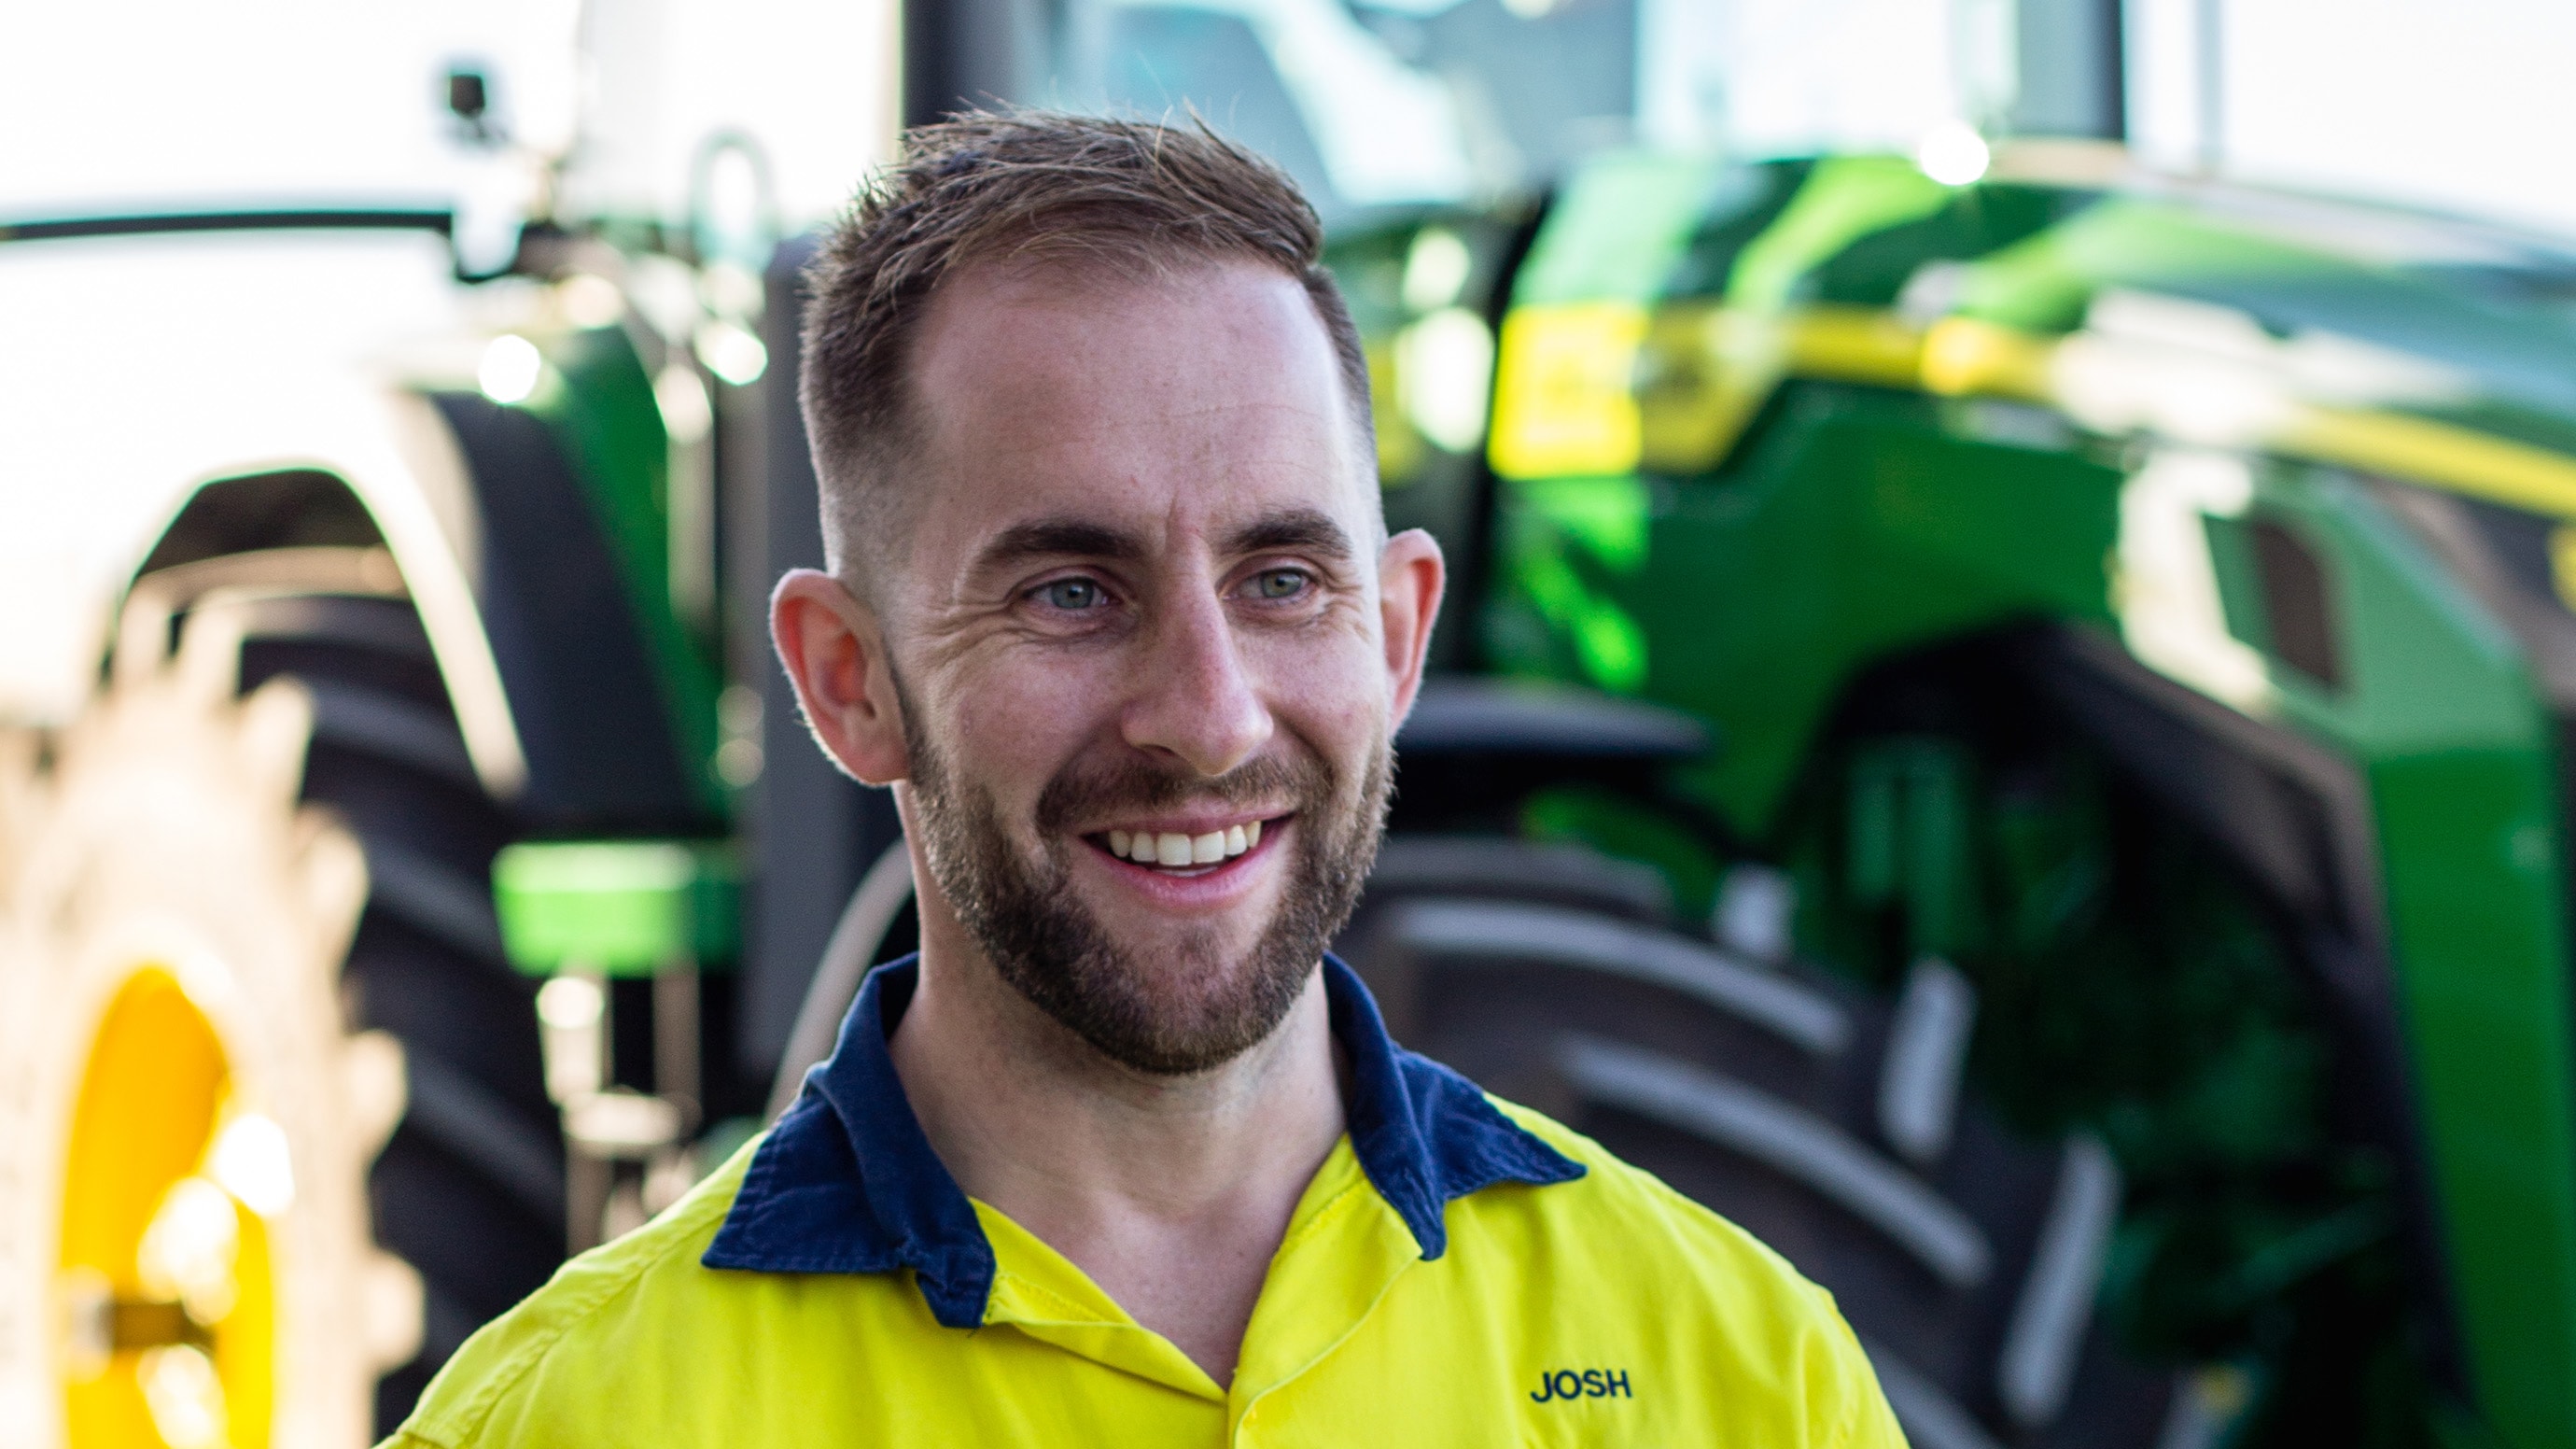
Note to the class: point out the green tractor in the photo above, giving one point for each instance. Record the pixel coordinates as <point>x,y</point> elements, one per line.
<point>2092,659</point>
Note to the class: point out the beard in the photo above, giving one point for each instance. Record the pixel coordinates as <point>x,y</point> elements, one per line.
<point>1203,1004</point>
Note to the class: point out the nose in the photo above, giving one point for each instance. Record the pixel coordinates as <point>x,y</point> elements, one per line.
<point>1193,700</point>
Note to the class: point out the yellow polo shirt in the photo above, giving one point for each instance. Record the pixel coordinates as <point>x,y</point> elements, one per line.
<point>1460,1271</point>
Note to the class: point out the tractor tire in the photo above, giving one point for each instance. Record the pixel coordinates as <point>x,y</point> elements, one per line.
<point>1829,1123</point>
<point>462,1181</point>
<point>469,1190</point>
<point>185,1119</point>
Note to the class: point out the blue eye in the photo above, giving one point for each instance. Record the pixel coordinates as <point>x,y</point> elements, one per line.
<point>1073,595</point>
<point>1280,583</point>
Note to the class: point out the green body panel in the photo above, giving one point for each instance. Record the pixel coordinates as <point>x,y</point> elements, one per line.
<point>1619,231</point>
<point>2511,359</point>
<point>1851,524</point>
<point>2463,782</point>
<point>611,427</point>
<point>1843,200</point>
<point>1856,528</point>
<point>618,908</point>
<point>2044,282</point>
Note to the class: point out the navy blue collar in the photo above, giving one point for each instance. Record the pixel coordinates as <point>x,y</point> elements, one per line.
<point>847,1183</point>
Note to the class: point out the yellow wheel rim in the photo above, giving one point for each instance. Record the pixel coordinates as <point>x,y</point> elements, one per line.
<point>169,1297</point>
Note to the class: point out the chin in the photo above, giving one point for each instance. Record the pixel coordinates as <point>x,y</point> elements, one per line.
<point>1204,955</point>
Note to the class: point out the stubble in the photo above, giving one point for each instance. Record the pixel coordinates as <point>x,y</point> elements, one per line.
<point>1202,1005</point>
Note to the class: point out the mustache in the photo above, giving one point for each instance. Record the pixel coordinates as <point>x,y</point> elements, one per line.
<point>1087,792</point>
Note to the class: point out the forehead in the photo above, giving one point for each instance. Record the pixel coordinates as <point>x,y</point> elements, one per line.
<point>1185,402</point>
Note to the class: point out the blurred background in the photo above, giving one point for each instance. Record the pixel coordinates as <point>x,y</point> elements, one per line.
<point>118,107</point>
<point>2002,720</point>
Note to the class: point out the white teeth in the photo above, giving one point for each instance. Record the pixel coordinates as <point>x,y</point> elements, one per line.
<point>1172,848</point>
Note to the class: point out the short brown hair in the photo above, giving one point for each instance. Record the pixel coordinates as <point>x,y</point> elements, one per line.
<point>1134,198</point>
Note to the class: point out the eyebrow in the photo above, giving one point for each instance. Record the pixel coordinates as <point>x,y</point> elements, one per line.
<point>1297,528</point>
<point>1058,538</point>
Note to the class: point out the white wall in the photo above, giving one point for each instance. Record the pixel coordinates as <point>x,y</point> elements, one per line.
<point>122,106</point>
<point>2458,103</point>
<point>2463,104</point>
<point>1800,75</point>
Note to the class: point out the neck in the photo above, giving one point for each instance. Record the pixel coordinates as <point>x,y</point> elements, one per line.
<point>1172,1193</point>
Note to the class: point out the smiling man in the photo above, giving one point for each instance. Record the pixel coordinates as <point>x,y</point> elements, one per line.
<point>1123,1156</point>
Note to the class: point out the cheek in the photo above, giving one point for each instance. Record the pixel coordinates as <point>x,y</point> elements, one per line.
<point>1334,698</point>
<point>1009,725</point>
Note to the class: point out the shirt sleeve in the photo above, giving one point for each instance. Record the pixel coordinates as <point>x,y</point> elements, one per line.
<point>1851,1393</point>
<point>1873,1424</point>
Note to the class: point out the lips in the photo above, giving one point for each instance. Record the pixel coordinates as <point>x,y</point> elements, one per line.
<point>1174,849</point>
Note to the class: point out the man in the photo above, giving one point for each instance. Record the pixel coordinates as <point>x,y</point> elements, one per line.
<point>1122,1156</point>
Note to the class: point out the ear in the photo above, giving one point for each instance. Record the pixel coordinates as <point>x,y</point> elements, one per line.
<point>1411,576</point>
<point>835,654</point>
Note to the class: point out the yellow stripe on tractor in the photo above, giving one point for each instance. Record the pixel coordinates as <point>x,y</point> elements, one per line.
<point>1589,389</point>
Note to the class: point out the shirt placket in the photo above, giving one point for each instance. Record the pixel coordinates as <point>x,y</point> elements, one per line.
<point>1327,1280</point>
<point>1039,1293</point>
